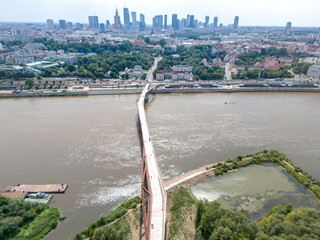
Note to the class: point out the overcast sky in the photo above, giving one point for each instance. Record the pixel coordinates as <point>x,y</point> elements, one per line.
<point>251,12</point>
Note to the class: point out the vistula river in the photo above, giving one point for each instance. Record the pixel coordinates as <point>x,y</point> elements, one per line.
<point>92,144</point>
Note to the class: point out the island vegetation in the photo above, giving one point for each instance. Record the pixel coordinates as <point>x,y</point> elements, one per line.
<point>282,222</point>
<point>24,220</point>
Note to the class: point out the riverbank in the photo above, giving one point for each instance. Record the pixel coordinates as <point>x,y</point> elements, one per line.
<point>42,94</point>
<point>126,91</point>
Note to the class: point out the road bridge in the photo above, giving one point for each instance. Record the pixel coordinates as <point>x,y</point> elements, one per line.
<point>153,194</point>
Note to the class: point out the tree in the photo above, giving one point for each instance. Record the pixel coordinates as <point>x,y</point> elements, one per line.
<point>29,83</point>
<point>162,42</point>
<point>143,76</point>
<point>71,68</point>
<point>147,40</point>
<point>125,76</point>
<point>108,232</point>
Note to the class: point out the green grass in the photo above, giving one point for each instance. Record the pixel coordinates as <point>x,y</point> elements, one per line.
<point>181,205</point>
<point>40,226</point>
<point>109,218</point>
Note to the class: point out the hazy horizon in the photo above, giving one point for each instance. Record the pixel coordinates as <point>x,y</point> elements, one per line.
<point>251,12</point>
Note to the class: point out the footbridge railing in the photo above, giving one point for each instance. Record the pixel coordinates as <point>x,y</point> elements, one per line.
<point>153,194</point>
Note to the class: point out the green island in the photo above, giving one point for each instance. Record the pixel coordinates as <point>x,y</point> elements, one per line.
<point>189,218</point>
<point>24,220</point>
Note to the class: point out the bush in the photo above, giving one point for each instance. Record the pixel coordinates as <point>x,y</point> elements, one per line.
<point>23,220</point>
<point>111,217</point>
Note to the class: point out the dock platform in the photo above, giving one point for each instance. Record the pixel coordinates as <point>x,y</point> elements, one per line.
<point>34,188</point>
<point>21,195</point>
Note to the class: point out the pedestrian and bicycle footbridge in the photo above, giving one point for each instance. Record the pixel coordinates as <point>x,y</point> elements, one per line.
<point>153,194</point>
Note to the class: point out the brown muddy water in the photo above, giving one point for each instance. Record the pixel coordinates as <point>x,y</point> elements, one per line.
<point>92,143</point>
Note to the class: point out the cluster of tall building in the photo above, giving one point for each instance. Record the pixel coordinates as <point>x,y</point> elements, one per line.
<point>191,22</point>
<point>63,25</point>
<point>127,24</point>
<point>158,22</point>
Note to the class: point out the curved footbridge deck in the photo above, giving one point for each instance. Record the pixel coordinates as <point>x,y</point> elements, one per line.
<point>153,194</point>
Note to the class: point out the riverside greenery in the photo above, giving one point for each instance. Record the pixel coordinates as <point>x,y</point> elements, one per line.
<point>23,220</point>
<point>102,229</point>
<point>282,222</point>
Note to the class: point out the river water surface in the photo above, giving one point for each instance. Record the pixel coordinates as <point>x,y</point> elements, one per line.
<point>92,144</point>
<point>255,189</point>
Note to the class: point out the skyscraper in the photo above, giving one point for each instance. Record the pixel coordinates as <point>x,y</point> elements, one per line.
<point>134,19</point>
<point>191,24</point>
<point>215,22</point>
<point>69,25</point>
<point>157,22</point>
<point>236,23</point>
<point>108,25</point>
<point>288,28</point>
<point>175,24</point>
<point>102,28</point>
<point>206,24</point>
<point>93,22</point>
<point>165,21</point>
<point>90,21</point>
<point>126,17</point>
<point>142,26</point>
<point>188,21</point>
<point>62,24</point>
<point>117,21</point>
<point>50,24</point>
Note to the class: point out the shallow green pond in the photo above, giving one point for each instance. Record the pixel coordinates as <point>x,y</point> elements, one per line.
<point>256,189</point>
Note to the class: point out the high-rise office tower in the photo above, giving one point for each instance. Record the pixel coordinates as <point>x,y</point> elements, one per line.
<point>175,24</point>
<point>69,25</point>
<point>117,21</point>
<point>160,21</point>
<point>93,22</point>
<point>188,21</point>
<point>50,24</point>
<point>142,23</point>
<point>62,24</point>
<point>102,28</point>
<point>126,17</point>
<point>165,21</point>
<point>183,22</point>
<point>288,28</point>
<point>108,25</point>
<point>157,22</point>
<point>206,24</point>
<point>192,24</point>
<point>90,21</point>
<point>236,23</point>
<point>134,19</point>
<point>215,22</point>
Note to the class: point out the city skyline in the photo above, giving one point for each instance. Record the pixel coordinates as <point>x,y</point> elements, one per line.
<point>274,13</point>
